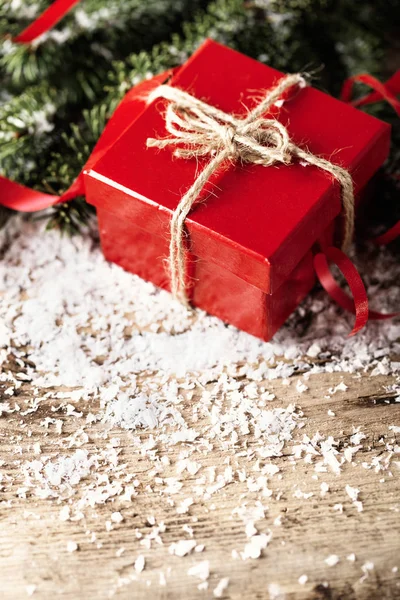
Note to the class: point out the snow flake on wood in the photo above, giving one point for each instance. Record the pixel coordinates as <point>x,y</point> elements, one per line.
<point>201,570</point>
<point>140,563</point>
<point>332,560</point>
<point>182,547</point>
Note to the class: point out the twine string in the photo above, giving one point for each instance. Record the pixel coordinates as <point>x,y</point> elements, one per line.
<point>198,129</point>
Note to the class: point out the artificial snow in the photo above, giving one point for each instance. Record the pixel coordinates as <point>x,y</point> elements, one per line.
<point>99,349</point>
<point>332,560</point>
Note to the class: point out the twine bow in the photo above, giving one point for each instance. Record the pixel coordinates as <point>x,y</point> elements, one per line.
<point>199,129</point>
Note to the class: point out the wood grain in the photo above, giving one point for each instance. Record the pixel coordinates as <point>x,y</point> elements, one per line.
<point>33,539</point>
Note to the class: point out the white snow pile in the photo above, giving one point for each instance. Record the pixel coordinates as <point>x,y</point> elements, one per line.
<point>86,323</point>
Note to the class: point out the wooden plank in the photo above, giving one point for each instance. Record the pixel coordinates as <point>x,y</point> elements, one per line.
<point>33,539</point>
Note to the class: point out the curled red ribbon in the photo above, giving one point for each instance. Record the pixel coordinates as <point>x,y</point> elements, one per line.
<point>54,13</point>
<point>382,91</point>
<point>389,236</point>
<point>358,302</point>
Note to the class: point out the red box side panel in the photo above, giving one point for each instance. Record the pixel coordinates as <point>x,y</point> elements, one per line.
<point>216,290</point>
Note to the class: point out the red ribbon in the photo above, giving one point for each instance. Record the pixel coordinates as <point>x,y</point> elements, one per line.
<point>389,236</point>
<point>54,13</point>
<point>358,303</point>
<point>382,91</point>
<point>19,197</point>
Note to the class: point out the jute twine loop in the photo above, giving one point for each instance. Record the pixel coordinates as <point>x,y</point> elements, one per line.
<point>198,129</point>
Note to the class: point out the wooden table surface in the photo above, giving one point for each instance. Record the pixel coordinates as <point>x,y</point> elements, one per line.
<point>35,558</point>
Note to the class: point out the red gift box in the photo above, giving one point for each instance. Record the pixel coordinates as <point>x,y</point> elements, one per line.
<point>251,239</point>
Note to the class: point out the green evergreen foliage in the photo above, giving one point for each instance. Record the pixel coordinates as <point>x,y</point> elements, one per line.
<point>58,92</point>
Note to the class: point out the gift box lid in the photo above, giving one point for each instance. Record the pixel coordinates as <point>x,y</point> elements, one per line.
<point>256,221</point>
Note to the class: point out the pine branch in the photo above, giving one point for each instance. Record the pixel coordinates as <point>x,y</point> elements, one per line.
<point>69,218</point>
<point>78,74</point>
<point>86,40</point>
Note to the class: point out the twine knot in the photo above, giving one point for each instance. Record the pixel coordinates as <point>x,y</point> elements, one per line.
<point>198,129</point>
<point>264,142</point>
